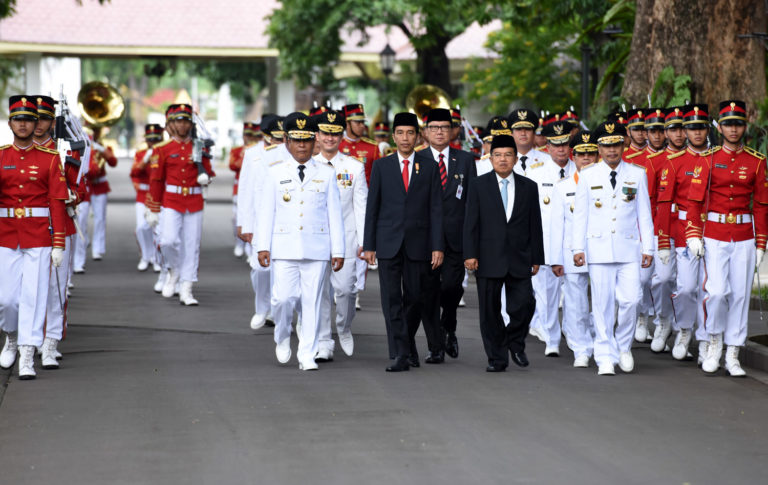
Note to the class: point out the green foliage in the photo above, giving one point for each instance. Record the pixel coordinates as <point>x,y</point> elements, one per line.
<point>757,129</point>
<point>8,7</point>
<point>10,69</point>
<point>671,90</point>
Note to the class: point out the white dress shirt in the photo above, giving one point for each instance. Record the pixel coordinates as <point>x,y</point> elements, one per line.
<point>510,192</point>
<point>445,153</point>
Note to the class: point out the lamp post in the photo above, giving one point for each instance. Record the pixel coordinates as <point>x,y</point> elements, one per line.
<point>387,62</point>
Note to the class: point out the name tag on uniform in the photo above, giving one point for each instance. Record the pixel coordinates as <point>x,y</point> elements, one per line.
<point>547,185</point>
<point>459,191</point>
<point>285,181</point>
<point>597,187</point>
<point>720,165</point>
<point>9,167</point>
<point>175,155</point>
<point>570,194</point>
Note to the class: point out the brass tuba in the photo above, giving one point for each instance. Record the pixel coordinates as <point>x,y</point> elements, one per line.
<point>425,97</point>
<point>100,104</point>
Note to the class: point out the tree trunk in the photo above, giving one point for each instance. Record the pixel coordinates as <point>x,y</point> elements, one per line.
<point>699,38</point>
<point>433,67</point>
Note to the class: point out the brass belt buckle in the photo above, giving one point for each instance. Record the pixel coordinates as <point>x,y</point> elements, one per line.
<point>185,191</point>
<point>19,213</point>
<point>731,219</point>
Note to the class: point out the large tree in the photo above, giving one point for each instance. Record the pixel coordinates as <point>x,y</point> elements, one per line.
<point>699,39</point>
<point>308,32</point>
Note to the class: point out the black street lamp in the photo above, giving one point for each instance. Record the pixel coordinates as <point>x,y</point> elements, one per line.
<point>387,63</point>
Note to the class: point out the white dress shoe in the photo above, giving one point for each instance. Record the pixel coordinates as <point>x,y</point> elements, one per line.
<point>143,265</point>
<point>169,287</point>
<point>581,361</point>
<point>462,303</point>
<point>70,285</point>
<point>283,351</point>
<point>160,283</point>
<point>373,267</point>
<point>357,303</point>
<point>660,336</point>
<point>606,369</point>
<point>307,364</point>
<point>324,355</point>
<point>641,330</point>
<point>682,340</point>
<point>703,350</point>
<point>49,354</point>
<point>156,267</point>
<point>258,320</point>
<point>97,256</point>
<point>552,351</point>
<point>239,251</point>
<point>626,362</point>
<point>347,343</point>
<point>10,349</point>
<point>714,352</point>
<point>27,362</point>
<point>79,270</point>
<point>185,294</point>
<point>732,364</point>
<point>537,333</point>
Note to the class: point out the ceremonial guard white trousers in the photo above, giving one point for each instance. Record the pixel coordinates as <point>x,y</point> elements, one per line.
<point>344,288</point>
<point>261,282</point>
<point>299,282</point>
<point>144,235</point>
<point>730,268</point>
<point>81,244</point>
<point>614,283</point>
<point>24,292</point>
<point>688,298</point>
<point>56,318</point>
<point>180,241</point>
<point>99,207</point>
<point>546,289</point>
<point>662,285</point>
<point>577,324</point>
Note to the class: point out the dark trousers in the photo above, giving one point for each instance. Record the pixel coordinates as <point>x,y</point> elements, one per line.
<point>444,291</point>
<point>402,281</point>
<point>497,339</point>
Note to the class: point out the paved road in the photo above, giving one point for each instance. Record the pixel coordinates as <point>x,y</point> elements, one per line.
<point>151,392</point>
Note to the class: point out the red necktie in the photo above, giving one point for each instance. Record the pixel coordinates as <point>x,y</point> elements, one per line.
<point>405,174</point>
<point>443,172</point>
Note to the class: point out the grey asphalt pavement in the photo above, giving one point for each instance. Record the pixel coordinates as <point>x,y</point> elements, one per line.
<point>150,392</point>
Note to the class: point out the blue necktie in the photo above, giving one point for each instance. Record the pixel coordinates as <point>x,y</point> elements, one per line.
<point>504,196</point>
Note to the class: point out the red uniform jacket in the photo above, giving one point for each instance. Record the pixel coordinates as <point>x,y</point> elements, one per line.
<point>365,150</point>
<point>140,175</point>
<point>631,150</point>
<point>172,166</point>
<point>674,181</point>
<point>31,179</point>
<point>97,173</point>
<point>651,161</point>
<point>235,164</point>
<point>734,178</point>
<point>70,172</point>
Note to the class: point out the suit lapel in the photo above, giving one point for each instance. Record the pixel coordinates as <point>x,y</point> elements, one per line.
<point>495,191</point>
<point>394,167</point>
<point>518,197</point>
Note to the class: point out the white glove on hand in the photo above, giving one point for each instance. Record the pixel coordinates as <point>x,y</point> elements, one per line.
<point>71,196</point>
<point>57,257</point>
<point>147,156</point>
<point>203,179</point>
<point>759,257</point>
<point>664,255</point>
<point>696,246</point>
<point>152,218</point>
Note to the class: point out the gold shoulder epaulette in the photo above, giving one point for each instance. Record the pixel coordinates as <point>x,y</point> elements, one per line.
<point>634,155</point>
<point>486,156</point>
<point>712,150</point>
<point>368,140</point>
<point>4,147</point>
<point>652,155</point>
<point>46,150</point>
<point>162,143</point>
<point>275,162</point>
<point>754,153</point>
<point>270,147</point>
<point>675,155</point>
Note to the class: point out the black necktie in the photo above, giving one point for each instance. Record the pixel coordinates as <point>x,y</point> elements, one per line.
<point>301,172</point>
<point>522,160</point>
<point>562,173</point>
<point>613,179</point>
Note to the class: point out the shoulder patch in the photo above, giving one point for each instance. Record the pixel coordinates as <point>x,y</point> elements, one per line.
<point>754,153</point>
<point>46,150</point>
<point>675,155</point>
<point>270,147</point>
<point>275,162</point>
<point>636,154</point>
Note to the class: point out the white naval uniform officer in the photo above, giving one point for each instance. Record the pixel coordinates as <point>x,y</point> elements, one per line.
<point>546,286</point>
<point>612,222</point>
<point>353,192</point>
<point>300,230</point>
<point>577,322</point>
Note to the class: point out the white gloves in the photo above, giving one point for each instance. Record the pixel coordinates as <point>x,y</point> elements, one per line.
<point>664,255</point>
<point>57,257</point>
<point>696,246</point>
<point>71,196</point>
<point>147,156</point>
<point>759,257</point>
<point>203,179</point>
<point>152,218</point>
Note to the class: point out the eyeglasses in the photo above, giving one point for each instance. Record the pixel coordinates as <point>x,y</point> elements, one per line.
<point>435,129</point>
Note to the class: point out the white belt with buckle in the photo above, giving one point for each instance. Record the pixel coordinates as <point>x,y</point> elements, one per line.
<point>729,218</point>
<point>22,212</point>
<point>143,186</point>
<point>176,189</point>
<point>99,180</point>
<point>682,215</point>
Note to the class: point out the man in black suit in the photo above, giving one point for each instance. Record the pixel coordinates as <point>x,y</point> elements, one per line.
<point>403,228</point>
<point>503,245</point>
<point>456,168</point>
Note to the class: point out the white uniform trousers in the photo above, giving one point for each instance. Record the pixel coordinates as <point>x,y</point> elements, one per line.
<point>614,283</point>
<point>180,242</point>
<point>299,282</point>
<point>144,234</point>
<point>99,208</point>
<point>662,285</point>
<point>577,324</point>
<point>81,244</point>
<point>56,318</point>
<point>647,304</point>
<point>24,292</point>
<point>361,268</point>
<point>239,243</point>
<point>344,287</point>
<point>546,289</point>
<point>687,299</point>
<point>730,268</point>
<point>261,282</point>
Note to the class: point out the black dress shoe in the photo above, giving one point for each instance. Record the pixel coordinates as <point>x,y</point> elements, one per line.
<point>435,357</point>
<point>520,359</point>
<point>495,368</point>
<point>413,360</point>
<point>451,345</point>
<point>399,365</point>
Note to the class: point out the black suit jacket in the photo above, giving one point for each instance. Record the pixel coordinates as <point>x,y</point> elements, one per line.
<point>461,169</point>
<point>503,247</point>
<point>394,217</point>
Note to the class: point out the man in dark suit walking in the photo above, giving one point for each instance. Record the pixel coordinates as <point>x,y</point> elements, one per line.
<point>403,228</point>
<point>503,245</point>
<point>456,168</point>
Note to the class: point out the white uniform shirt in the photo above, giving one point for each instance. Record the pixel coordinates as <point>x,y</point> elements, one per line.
<point>484,165</point>
<point>561,225</point>
<point>546,174</point>
<point>533,158</point>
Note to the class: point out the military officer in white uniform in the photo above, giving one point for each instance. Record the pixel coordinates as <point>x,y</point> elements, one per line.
<point>353,191</point>
<point>300,230</point>
<point>523,122</point>
<point>577,324</point>
<point>545,323</point>
<point>612,223</point>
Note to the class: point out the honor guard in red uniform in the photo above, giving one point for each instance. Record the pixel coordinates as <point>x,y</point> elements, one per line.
<point>572,118</point>
<point>353,143</point>
<point>636,130</point>
<point>381,135</point>
<point>32,194</point>
<point>153,134</point>
<point>734,236</point>
<point>672,210</point>
<point>176,188</point>
<point>455,142</point>
<point>251,131</point>
<point>100,158</point>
